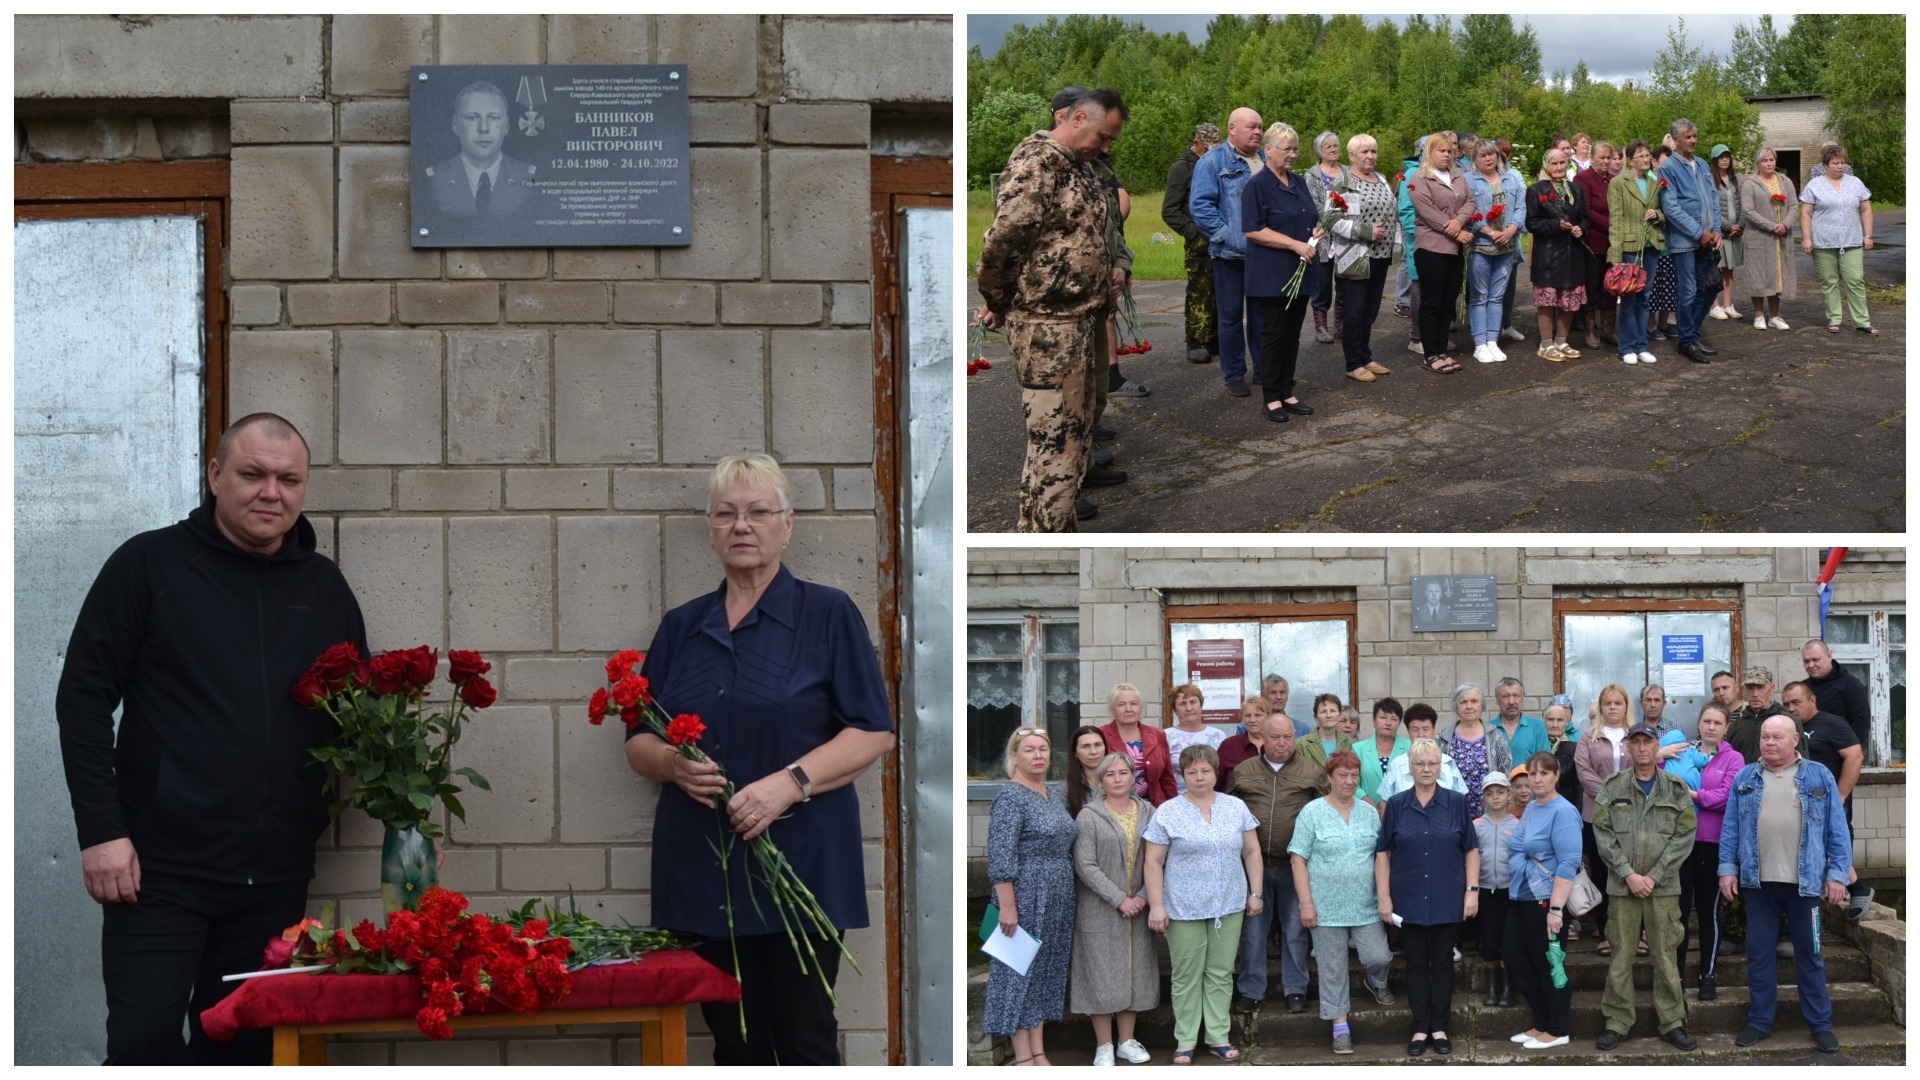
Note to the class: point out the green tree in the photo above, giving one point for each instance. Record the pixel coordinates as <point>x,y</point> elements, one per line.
<point>1799,60</point>
<point>1752,56</point>
<point>996,125</point>
<point>1489,42</point>
<point>1867,94</point>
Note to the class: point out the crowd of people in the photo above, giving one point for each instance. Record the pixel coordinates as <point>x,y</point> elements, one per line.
<point>1410,841</point>
<point>1623,246</point>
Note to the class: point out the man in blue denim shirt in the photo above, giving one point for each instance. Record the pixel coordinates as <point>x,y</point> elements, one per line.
<point>1785,846</point>
<point>1218,180</point>
<point>1692,207</point>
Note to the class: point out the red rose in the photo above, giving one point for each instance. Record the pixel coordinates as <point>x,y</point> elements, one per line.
<point>362,673</point>
<point>464,664</point>
<point>623,663</point>
<point>597,708</point>
<point>421,664</point>
<point>278,955</point>
<point>1399,176</point>
<point>310,691</point>
<point>477,692</point>
<point>390,673</point>
<point>630,692</point>
<point>685,728</point>
<point>337,662</point>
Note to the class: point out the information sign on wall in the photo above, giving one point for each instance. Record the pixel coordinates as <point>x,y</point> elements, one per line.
<point>1219,668</point>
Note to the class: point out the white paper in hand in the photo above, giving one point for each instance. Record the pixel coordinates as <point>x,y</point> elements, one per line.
<point>1017,952</point>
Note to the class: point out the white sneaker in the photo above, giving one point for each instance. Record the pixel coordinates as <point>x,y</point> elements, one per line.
<point>1536,1044</point>
<point>1648,358</point>
<point>1493,349</point>
<point>1777,323</point>
<point>1718,312</point>
<point>1103,1054</point>
<point>1134,1052</point>
<point>1513,335</point>
<point>1732,312</point>
<point>1481,354</point>
<point>1630,358</point>
<point>1759,322</point>
<point>1414,348</point>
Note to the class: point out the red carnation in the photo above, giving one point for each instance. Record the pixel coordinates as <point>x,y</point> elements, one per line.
<point>310,691</point>
<point>535,929</point>
<point>630,692</point>
<point>432,1023</point>
<point>597,708</point>
<point>623,663</point>
<point>390,673</point>
<point>1336,201</point>
<point>1663,183</point>
<point>1776,198</point>
<point>685,728</point>
<point>477,692</point>
<point>464,664</point>
<point>1399,176</point>
<point>1494,213</point>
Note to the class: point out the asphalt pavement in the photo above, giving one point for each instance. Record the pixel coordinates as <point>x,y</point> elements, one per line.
<point>1794,431</point>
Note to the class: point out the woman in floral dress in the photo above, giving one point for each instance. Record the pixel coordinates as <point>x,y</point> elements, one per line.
<point>1477,748</point>
<point>1663,291</point>
<point>1030,865</point>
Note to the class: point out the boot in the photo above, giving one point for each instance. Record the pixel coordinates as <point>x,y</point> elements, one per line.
<point>1506,990</point>
<point>1607,333</point>
<point>1493,973</point>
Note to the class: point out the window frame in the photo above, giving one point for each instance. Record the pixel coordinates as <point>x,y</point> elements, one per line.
<point>1877,654</point>
<point>1347,611</point>
<point>1033,661</point>
<point>1564,606</point>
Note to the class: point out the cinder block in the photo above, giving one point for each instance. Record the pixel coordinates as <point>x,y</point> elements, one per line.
<point>289,372</point>
<point>449,1052</point>
<point>375,215</point>
<point>721,52</point>
<point>99,138</point>
<point>761,303</point>
<point>556,489</point>
<point>723,122</point>
<point>553,869</point>
<point>333,305</point>
<point>497,263</point>
<point>282,212</point>
<point>836,59</point>
<point>449,489</point>
<point>809,489</point>
<point>605,264</point>
<point>471,869</point>
<point>820,125</point>
<point>598,39</point>
<point>605,801</point>
<point>664,302</point>
<point>822,385</point>
<point>727,191</point>
<point>573,302</point>
<point>660,489</point>
<point>817,212</point>
<point>489,39</point>
<point>396,569</point>
<point>180,57</point>
<point>853,489</point>
<point>254,305</point>
<point>346,1052</point>
<point>864,1048</point>
<point>342,873</point>
<point>863,998</point>
<point>715,380</point>
<point>512,746</point>
<point>371,53</point>
<point>280,122</point>
<point>633,866</point>
<point>497,404</point>
<point>331,490</point>
<point>501,591</point>
<point>449,302</point>
<point>569,680</point>
<point>544,1052</point>
<point>852,303</point>
<point>374,121</point>
<point>603,383</point>
<point>609,581</point>
<point>389,396</point>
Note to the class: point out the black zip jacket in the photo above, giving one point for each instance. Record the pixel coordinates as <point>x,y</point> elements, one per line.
<point>201,642</point>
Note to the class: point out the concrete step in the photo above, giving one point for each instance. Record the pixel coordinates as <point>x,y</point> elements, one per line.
<point>1587,970</point>
<point>1869,1044</point>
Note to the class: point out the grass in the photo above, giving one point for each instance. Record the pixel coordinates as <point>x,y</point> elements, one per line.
<point>1151,261</point>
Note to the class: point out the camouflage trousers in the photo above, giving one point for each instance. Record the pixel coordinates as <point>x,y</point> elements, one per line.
<point>1053,359</point>
<point>1203,330</point>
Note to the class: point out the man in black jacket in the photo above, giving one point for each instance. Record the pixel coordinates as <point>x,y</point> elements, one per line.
<point>1837,690</point>
<point>1203,330</point>
<point>197,823</point>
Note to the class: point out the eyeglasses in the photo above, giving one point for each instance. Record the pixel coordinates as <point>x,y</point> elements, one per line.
<point>1026,731</point>
<point>757,517</point>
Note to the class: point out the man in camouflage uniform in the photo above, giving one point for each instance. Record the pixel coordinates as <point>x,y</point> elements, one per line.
<point>1203,334</point>
<point>1046,275</point>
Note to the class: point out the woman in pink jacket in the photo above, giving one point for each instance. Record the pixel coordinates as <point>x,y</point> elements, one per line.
<point>1699,889</point>
<point>1441,206</point>
<point>1599,754</point>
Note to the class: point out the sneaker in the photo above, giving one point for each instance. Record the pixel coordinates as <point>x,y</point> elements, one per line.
<point>1718,312</point>
<point>1103,476</point>
<point>1480,354</point>
<point>1608,1040</point>
<point>1493,350</point>
<point>1129,388</point>
<point>1198,356</point>
<point>1296,1003</point>
<point>1414,348</point>
<point>1102,455</point>
<point>1103,1054</point>
<point>1656,335</point>
<point>1679,1038</point>
<point>1536,1044</point>
<point>1549,351</point>
<point>1237,387</point>
<point>1777,323</point>
<point>1732,312</point>
<point>1343,1043</point>
<point>1708,992</point>
<point>1648,358</point>
<point>1857,904</point>
<point>1244,1005</point>
<point>1759,322</point>
<point>1402,311</point>
<point>1133,1052</point>
<point>1381,993</point>
<point>1750,1035</point>
<point>1630,358</point>
<point>1826,1041</point>
<point>1083,509</point>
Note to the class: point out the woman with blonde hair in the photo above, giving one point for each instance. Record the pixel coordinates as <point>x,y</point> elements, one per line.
<point>1365,240</point>
<point>1600,753</point>
<point>1249,743</point>
<point>1769,272</point>
<point>1146,745</point>
<point>1030,866</point>
<point>1441,207</point>
<point>1116,972</point>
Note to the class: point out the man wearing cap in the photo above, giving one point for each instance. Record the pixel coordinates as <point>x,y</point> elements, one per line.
<point>1218,181</point>
<point>1744,733</point>
<point>1784,847</point>
<point>1643,826</point>
<point>1046,275</point>
<point>1203,334</point>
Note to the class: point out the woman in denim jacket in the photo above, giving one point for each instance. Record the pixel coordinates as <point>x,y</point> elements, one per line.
<point>1496,238</point>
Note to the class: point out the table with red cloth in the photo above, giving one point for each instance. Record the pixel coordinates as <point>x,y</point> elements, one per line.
<point>303,1010</point>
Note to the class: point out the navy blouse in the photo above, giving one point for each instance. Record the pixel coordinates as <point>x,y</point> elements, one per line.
<point>797,670</point>
<point>1286,209</point>
<point>1427,873</point>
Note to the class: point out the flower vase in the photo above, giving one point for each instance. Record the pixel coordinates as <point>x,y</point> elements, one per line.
<point>409,866</point>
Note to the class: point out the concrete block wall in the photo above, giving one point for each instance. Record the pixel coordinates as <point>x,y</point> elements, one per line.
<point>510,447</point>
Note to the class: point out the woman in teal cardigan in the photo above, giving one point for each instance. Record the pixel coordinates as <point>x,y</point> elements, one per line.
<point>1638,235</point>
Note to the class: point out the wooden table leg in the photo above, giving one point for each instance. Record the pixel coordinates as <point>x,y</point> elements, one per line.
<point>673,1034</point>
<point>313,1049</point>
<point>286,1045</point>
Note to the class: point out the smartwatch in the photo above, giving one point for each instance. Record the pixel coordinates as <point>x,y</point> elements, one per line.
<point>800,777</point>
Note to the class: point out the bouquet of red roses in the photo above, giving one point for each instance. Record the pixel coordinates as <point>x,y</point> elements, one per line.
<point>629,697</point>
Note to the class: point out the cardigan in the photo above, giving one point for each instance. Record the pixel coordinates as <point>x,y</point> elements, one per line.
<point>1435,204</point>
<point>1156,759</point>
<point>1593,184</point>
<point>1625,206</point>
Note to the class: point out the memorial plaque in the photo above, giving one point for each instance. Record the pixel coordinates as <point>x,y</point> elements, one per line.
<point>563,155</point>
<point>1454,602</point>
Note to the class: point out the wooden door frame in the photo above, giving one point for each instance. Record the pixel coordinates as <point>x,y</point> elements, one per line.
<point>199,189</point>
<point>1564,606</point>
<point>1347,611</point>
<point>896,183</point>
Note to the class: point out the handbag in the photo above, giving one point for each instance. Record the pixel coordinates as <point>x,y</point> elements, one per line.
<point>1585,895</point>
<point>1624,279</point>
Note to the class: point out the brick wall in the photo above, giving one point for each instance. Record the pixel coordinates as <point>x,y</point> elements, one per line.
<point>510,446</point>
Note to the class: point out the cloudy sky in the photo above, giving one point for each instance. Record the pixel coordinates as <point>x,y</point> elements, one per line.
<point>1615,47</point>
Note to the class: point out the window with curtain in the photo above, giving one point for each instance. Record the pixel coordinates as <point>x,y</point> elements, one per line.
<point>1872,644</point>
<point>1021,672</point>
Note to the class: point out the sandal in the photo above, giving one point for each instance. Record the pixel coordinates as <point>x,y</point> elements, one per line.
<point>1868,330</point>
<point>1605,948</point>
<point>1833,328</point>
<point>1440,365</point>
<point>1225,1052</point>
<point>1183,1057</point>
